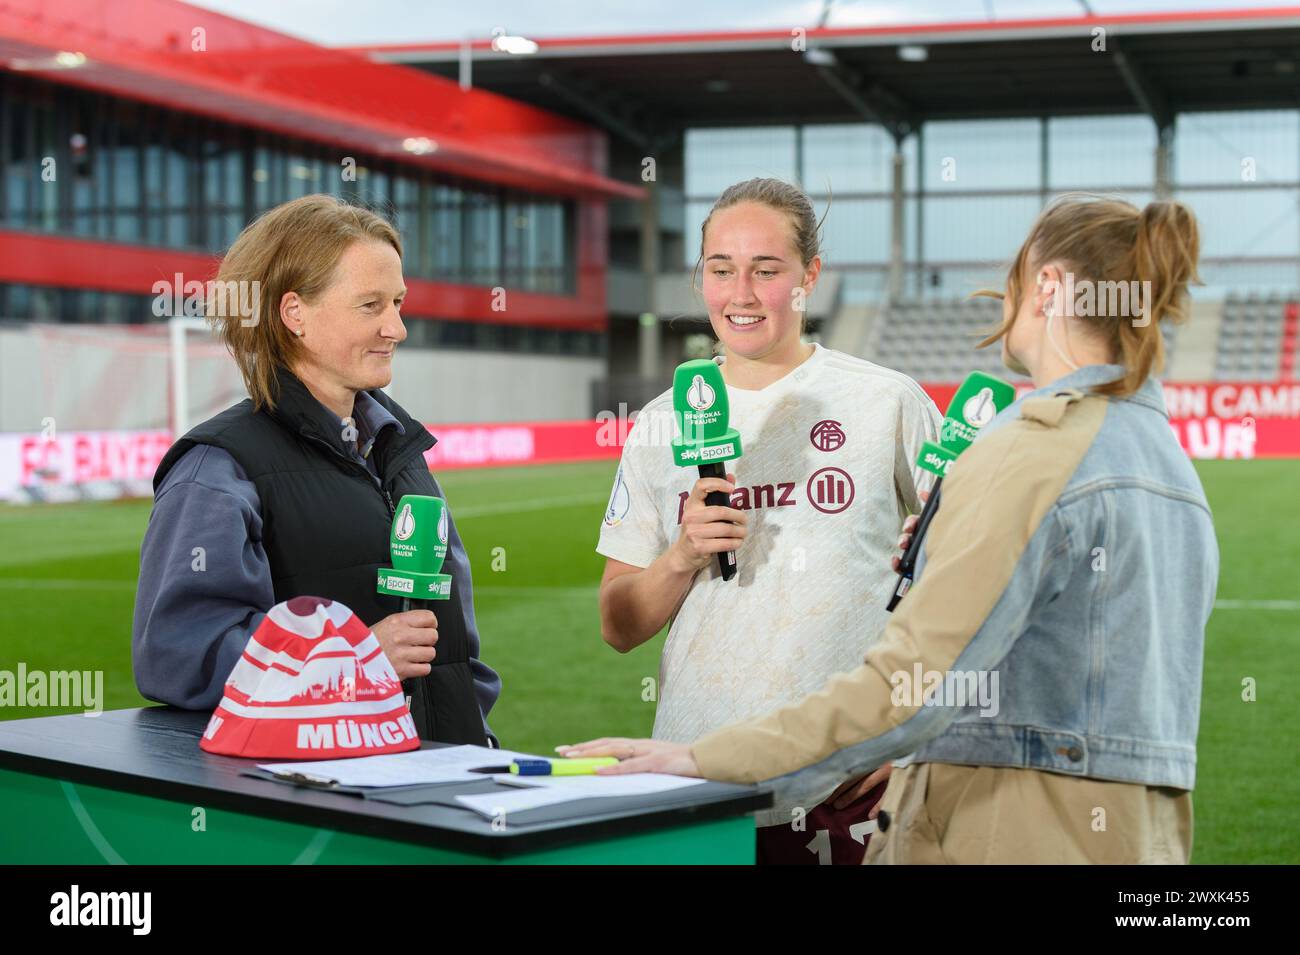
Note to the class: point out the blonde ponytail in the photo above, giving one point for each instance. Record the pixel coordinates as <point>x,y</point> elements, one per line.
<point>1107,240</point>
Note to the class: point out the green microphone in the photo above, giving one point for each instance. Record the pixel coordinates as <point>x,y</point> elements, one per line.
<point>701,408</point>
<point>975,404</point>
<point>418,546</point>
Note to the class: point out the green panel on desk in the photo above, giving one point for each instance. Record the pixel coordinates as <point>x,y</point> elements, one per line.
<point>45,820</point>
<point>720,842</point>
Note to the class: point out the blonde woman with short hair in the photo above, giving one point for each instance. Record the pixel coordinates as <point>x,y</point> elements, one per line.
<point>291,491</point>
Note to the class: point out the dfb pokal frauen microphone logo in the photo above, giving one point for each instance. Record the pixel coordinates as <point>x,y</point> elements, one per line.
<point>406,525</point>
<point>980,408</point>
<point>700,394</point>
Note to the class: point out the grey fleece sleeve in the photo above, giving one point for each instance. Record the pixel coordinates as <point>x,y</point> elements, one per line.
<point>205,583</point>
<point>194,612</point>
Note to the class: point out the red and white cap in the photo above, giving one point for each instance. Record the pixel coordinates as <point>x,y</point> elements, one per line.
<point>313,683</point>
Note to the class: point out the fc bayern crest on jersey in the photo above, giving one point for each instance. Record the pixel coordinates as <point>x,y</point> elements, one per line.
<point>827,435</point>
<point>620,502</point>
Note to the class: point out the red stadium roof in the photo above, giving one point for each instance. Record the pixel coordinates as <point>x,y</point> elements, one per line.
<point>187,58</point>
<point>888,34</point>
<point>648,87</point>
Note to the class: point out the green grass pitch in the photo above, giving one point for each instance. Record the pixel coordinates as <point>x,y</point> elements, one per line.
<point>67,585</point>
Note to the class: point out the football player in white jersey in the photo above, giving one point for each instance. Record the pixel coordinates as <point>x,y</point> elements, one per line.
<point>817,501</point>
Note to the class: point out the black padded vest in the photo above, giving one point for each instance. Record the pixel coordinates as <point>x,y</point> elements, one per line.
<point>326,523</point>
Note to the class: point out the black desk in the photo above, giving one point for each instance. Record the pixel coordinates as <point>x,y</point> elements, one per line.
<point>133,786</point>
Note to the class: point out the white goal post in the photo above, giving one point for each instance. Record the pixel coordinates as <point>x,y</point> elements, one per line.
<point>179,371</point>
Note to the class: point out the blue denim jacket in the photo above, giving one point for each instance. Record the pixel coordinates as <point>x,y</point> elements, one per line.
<point>1104,680</point>
<point>1073,559</point>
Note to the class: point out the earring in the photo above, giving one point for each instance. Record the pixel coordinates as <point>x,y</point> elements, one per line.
<point>298,332</point>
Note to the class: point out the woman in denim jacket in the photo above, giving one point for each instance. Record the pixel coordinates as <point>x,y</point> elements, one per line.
<point>1044,672</point>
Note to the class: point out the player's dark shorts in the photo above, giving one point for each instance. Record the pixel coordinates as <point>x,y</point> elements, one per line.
<point>824,837</point>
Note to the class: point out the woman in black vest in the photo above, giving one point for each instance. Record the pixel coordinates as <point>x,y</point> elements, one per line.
<point>291,491</point>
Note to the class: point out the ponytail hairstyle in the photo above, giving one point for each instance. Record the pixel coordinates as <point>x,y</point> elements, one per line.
<point>1106,240</point>
<point>781,196</point>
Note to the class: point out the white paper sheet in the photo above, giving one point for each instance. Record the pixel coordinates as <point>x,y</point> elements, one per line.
<point>492,805</point>
<point>450,764</point>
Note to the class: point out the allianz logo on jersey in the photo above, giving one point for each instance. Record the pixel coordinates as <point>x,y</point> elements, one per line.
<point>829,490</point>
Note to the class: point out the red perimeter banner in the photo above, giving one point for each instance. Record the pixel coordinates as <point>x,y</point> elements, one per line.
<point>542,442</point>
<point>1218,419</point>
<point>1210,420</point>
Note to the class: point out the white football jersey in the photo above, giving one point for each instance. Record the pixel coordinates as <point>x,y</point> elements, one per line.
<point>827,475</point>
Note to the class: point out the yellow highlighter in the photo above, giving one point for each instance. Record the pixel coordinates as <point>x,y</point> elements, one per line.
<point>561,767</point>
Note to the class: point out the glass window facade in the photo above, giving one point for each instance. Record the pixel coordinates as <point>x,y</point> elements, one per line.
<point>81,164</point>
<point>973,187</point>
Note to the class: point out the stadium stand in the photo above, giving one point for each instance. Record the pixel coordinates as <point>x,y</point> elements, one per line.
<point>1250,337</point>
<point>1257,338</point>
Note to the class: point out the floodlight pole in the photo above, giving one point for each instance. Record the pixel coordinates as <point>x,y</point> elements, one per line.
<point>1164,160</point>
<point>466,63</point>
<point>648,330</point>
<point>897,219</point>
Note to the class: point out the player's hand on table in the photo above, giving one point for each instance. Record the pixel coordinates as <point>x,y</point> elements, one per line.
<point>905,538</point>
<point>636,755</point>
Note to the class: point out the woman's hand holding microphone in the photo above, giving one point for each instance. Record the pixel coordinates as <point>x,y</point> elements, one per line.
<point>708,529</point>
<point>905,539</point>
<point>408,640</point>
